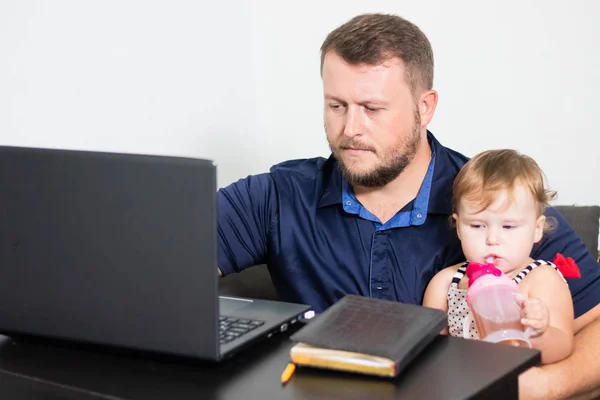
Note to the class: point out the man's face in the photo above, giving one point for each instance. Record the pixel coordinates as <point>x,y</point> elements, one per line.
<point>371,118</point>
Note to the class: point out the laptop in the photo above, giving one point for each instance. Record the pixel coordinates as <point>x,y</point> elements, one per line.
<point>120,250</point>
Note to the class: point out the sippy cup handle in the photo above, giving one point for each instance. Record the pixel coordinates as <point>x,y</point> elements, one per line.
<point>529,332</point>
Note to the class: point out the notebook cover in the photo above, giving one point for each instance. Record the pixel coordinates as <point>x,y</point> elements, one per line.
<point>376,327</point>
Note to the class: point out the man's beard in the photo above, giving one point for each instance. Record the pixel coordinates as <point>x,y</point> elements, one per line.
<point>393,165</point>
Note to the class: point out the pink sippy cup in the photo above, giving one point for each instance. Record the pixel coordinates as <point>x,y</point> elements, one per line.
<point>491,299</point>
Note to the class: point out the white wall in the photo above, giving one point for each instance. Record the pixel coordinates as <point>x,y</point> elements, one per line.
<point>160,77</point>
<point>238,81</point>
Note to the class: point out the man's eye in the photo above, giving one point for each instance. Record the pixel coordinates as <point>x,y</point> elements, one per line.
<point>372,109</point>
<point>335,106</point>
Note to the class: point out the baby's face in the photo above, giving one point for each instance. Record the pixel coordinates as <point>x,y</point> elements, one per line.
<point>503,233</point>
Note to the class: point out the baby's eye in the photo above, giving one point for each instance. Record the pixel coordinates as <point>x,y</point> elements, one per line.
<point>476,226</point>
<point>508,226</point>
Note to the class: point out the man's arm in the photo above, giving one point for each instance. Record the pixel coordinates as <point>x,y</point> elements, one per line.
<point>245,211</point>
<point>575,377</point>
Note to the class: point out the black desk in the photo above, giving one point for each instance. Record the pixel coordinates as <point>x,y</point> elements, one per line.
<point>451,368</point>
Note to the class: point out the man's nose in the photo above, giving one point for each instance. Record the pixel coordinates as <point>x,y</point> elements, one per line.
<point>354,123</point>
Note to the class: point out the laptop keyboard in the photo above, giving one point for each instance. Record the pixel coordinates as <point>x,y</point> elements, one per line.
<point>231,328</point>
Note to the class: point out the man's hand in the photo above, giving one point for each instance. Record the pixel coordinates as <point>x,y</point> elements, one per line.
<point>534,314</point>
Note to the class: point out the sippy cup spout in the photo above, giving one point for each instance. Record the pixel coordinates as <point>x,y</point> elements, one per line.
<point>477,270</point>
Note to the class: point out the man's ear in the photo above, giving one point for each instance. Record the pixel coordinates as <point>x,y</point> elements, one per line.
<point>455,218</point>
<point>540,224</point>
<point>427,104</point>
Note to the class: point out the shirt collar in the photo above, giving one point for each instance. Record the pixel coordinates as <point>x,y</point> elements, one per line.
<point>448,163</point>
<point>332,184</point>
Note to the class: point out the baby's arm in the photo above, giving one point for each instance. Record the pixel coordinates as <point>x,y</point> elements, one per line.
<point>437,291</point>
<point>544,284</point>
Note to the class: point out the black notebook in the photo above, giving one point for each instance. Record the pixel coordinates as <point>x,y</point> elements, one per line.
<point>366,335</point>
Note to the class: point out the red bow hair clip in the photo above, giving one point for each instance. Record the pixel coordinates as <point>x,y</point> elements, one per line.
<point>567,266</point>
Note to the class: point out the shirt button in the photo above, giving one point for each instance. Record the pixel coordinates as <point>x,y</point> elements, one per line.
<point>348,203</point>
<point>419,215</point>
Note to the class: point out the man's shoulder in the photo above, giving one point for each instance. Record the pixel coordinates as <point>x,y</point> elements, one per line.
<point>310,178</point>
<point>458,158</point>
<point>454,157</point>
<point>310,168</point>
<point>448,163</point>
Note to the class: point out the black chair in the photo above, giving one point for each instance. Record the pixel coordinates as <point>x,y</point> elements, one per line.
<point>585,221</point>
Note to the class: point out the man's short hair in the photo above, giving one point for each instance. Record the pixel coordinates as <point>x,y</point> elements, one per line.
<point>374,38</point>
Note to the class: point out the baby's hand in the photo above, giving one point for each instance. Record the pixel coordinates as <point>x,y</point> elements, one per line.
<point>534,314</point>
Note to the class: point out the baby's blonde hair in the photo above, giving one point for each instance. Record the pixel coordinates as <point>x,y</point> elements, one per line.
<point>491,172</point>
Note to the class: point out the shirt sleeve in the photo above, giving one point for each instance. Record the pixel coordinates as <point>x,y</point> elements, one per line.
<point>245,211</point>
<point>563,239</point>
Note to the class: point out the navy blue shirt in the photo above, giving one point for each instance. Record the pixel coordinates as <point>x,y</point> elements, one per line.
<point>303,220</point>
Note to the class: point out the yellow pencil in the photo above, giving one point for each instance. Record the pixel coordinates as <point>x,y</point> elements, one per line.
<point>287,373</point>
